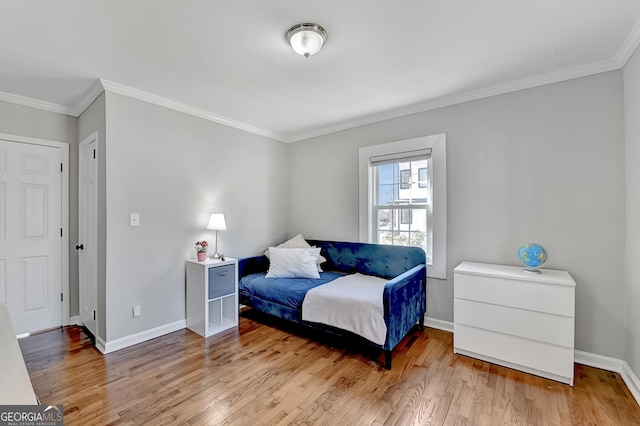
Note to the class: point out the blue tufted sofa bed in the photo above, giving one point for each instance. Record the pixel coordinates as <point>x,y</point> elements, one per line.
<point>404,297</point>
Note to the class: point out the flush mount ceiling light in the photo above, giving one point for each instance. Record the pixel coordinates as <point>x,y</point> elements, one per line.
<point>306,39</point>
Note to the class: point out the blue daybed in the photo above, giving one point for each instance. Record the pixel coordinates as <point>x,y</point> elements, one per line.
<point>404,297</point>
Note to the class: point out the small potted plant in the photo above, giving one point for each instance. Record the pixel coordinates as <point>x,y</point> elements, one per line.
<point>201,249</point>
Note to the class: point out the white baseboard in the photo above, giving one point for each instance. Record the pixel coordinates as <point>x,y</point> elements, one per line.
<point>74,320</point>
<point>143,336</point>
<point>100,345</point>
<point>438,324</point>
<point>612,364</point>
<point>585,358</point>
<point>598,361</point>
<point>631,380</point>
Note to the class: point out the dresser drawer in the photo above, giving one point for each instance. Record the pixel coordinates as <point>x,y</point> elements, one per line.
<point>540,326</point>
<point>542,357</point>
<point>221,281</point>
<point>534,296</point>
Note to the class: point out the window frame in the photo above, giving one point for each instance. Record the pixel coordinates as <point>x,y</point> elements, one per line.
<point>422,182</point>
<point>405,179</point>
<point>437,268</point>
<point>409,212</point>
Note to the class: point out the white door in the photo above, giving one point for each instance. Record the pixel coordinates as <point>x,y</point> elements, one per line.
<point>88,233</point>
<point>31,235</point>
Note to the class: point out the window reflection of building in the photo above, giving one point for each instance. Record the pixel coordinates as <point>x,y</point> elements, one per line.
<point>402,202</point>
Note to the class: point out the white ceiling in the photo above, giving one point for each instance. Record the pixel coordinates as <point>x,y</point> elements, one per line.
<point>228,61</point>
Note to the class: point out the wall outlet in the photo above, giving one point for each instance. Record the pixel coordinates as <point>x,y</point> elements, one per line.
<point>134,219</point>
<point>136,311</point>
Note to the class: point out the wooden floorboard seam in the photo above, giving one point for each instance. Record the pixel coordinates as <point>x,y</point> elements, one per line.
<point>268,373</point>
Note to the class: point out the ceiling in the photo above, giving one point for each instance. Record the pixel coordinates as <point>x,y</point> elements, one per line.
<point>228,61</point>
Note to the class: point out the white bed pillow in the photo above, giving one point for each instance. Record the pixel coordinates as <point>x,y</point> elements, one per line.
<point>293,262</point>
<point>298,242</point>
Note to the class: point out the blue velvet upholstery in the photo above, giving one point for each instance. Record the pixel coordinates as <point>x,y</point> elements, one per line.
<point>404,295</point>
<point>369,259</point>
<point>285,291</point>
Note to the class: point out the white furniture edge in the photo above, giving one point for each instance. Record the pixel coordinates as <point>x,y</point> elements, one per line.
<point>585,358</point>
<point>507,271</point>
<point>519,367</point>
<point>15,387</point>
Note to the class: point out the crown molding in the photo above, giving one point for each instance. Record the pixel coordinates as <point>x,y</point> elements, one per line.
<point>141,95</point>
<point>629,46</point>
<point>624,53</point>
<point>35,103</point>
<point>501,89</point>
<point>90,95</point>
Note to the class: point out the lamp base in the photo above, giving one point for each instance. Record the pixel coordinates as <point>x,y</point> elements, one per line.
<point>216,256</point>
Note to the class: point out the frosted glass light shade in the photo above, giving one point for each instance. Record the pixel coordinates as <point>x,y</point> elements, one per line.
<point>216,222</point>
<point>306,39</point>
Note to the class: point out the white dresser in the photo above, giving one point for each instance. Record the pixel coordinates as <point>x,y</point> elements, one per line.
<point>516,319</point>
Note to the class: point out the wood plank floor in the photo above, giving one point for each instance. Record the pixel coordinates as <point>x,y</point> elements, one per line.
<point>268,373</point>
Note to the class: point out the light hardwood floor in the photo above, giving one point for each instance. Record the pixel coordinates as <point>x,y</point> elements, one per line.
<point>268,372</point>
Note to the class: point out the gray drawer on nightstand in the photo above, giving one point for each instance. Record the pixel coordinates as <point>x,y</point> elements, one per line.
<point>222,281</point>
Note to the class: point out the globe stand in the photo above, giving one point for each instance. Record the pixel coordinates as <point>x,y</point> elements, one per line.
<point>532,256</point>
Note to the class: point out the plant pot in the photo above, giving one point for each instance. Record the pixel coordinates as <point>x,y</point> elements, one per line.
<point>202,256</point>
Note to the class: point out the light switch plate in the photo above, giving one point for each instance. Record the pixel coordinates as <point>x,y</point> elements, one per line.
<point>134,219</point>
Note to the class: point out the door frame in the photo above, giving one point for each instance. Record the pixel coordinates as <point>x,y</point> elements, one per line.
<point>92,138</point>
<point>64,213</point>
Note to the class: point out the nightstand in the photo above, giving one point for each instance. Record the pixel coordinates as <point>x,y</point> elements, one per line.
<point>212,296</point>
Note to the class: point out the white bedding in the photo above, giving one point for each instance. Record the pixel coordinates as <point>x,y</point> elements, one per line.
<point>352,302</point>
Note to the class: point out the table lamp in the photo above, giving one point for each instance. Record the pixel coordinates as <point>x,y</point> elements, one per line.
<point>217,223</point>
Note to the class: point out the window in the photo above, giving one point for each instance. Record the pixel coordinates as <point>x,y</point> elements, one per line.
<point>403,197</point>
<point>405,178</point>
<point>401,209</point>
<point>405,217</point>
<point>422,177</point>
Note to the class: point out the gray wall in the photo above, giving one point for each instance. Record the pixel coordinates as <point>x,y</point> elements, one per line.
<point>35,123</point>
<point>174,170</point>
<point>569,135</point>
<point>543,165</point>
<point>632,135</point>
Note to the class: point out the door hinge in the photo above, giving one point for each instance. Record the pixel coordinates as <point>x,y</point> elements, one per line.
<point>61,167</point>
<point>94,315</point>
<point>94,154</point>
<point>61,232</point>
<point>62,297</point>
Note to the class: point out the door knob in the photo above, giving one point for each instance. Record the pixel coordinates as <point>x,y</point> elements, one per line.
<point>79,246</point>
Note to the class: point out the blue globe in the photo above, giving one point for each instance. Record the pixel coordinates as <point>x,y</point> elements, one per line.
<point>532,255</point>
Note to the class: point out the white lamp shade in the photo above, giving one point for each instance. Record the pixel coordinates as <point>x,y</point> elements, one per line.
<point>306,39</point>
<point>216,222</point>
